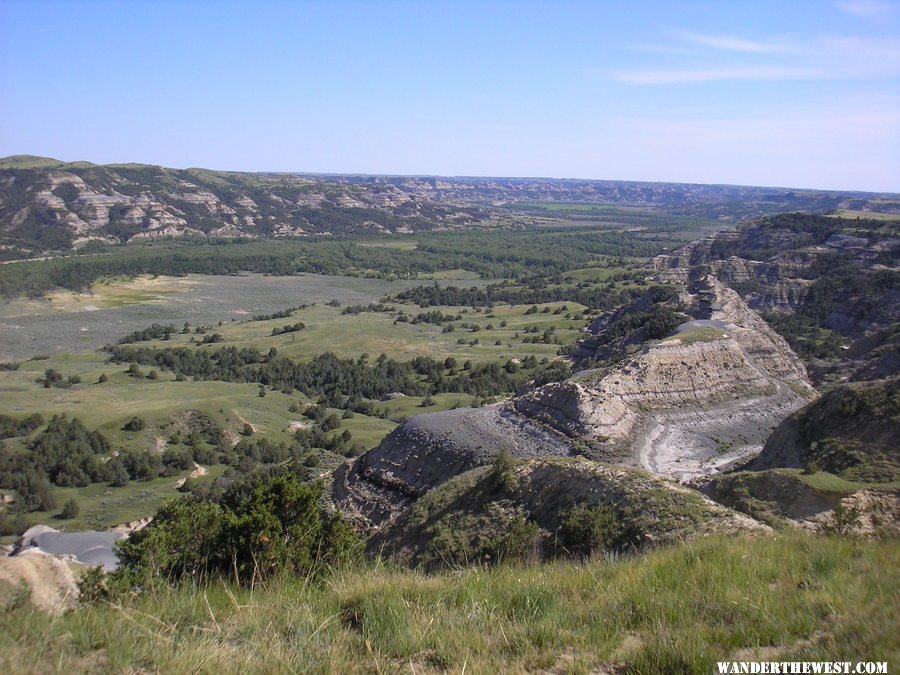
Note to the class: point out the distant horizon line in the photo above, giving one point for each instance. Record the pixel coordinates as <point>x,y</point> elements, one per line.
<point>364,174</point>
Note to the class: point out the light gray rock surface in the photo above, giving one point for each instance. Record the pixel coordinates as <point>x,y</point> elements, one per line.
<point>89,547</point>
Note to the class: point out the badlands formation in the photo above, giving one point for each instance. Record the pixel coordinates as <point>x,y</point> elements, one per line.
<point>700,399</point>
<point>117,203</point>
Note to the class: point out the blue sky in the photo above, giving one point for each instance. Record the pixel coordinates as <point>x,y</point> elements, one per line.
<point>790,93</point>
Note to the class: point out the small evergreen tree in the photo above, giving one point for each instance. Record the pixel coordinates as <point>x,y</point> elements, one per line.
<point>70,510</point>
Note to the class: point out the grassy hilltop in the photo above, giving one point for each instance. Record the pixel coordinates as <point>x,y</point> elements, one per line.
<point>680,609</point>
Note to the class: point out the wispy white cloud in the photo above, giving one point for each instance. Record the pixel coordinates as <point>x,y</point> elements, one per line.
<point>37,31</point>
<point>662,49</point>
<point>822,58</point>
<point>682,76</point>
<point>866,8</point>
<point>860,49</point>
<point>734,44</point>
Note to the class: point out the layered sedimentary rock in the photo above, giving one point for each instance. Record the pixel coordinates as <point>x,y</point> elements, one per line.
<point>119,202</point>
<point>671,374</point>
<point>771,284</point>
<point>765,347</point>
<point>682,407</point>
<point>775,262</point>
<point>577,411</point>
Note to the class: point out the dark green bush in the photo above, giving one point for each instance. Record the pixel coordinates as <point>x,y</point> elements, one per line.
<point>519,540</point>
<point>92,587</point>
<point>264,526</point>
<point>586,530</point>
<point>70,510</point>
<point>503,471</point>
<point>135,424</point>
<point>65,454</point>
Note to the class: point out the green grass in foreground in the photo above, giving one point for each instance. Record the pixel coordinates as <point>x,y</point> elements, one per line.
<point>677,610</point>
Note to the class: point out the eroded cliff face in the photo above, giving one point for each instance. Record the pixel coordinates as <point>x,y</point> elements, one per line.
<point>724,350</point>
<point>780,283</point>
<point>775,264</point>
<point>777,285</point>
<point>860,319</point>
<point>831,285</point>
<point>120,203</point>
<point>578,411</point>
<point>682,407</point>
<point>708,395</point>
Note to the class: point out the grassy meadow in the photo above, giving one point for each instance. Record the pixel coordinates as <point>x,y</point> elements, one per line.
<point>162,404</point>
<point>102,506</point>
<point>349,335</point>
<point>479,336</point>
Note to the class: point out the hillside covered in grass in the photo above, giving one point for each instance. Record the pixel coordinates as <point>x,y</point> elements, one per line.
<point>850,432</point>
<point>679,609</point>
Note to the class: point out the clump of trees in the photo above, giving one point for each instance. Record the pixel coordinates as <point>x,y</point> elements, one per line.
<point>281,314</point>
<point>67,453</point>
<point>435,316</point>
<point>371,307</point>
<point>491,254</point>
<point>595,296</point>
<point>10,427</point>
<point>154,332</point>
<point>585,530</point>
<point>70,510</point>
<point>289,328</point>
<point>266,525</point>
<point>54,378</point>
<point>135,424</point>
<point>338,382</point>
